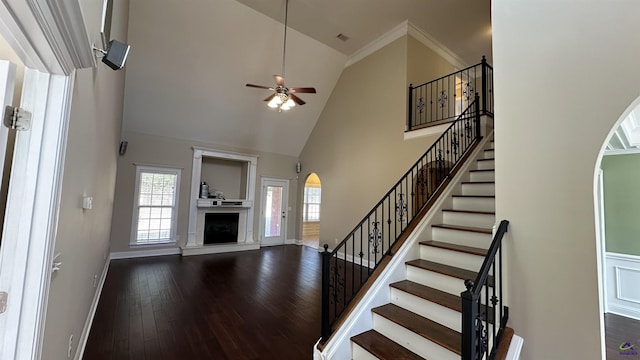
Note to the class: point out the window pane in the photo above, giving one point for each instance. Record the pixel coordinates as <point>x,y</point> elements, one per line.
<point>156,199</point>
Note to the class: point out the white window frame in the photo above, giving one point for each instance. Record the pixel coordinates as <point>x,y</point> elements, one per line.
<point>305,210</point>
<point>133,242</point>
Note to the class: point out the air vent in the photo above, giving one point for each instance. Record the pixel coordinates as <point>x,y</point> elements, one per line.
<point>342,37</point>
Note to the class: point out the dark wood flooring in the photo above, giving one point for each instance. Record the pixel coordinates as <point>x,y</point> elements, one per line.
<point>620,330</point>
<point>262,304</point>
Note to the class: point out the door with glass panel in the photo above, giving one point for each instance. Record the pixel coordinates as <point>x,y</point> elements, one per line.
<point>274,211</point>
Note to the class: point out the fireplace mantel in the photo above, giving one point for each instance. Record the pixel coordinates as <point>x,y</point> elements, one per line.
<point>244,205</point>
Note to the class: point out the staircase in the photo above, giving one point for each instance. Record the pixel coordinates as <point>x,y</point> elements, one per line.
<point>423,320</point>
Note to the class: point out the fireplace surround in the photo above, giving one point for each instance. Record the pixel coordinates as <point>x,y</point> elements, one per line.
<point>241,207</point>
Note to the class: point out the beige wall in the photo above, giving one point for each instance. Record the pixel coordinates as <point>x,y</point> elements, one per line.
<point>82,238</point>
<point>156,150</point>
<point>565,73</point>
<point>423,64</point>
<point>357,147</point>
<point>226,176</point>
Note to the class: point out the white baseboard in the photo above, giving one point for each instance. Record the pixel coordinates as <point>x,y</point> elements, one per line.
<point>292,242</point>
<point>144,253</point>
<point>624,311</point>
<point>515,348</point>
<point>92,312</point>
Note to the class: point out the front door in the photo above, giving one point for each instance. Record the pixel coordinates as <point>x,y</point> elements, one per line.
<point>274,210</point>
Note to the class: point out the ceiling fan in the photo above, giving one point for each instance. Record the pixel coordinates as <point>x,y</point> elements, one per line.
<point>283,97</point>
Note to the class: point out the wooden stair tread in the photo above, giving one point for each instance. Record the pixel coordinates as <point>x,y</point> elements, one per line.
<point>471,211</point>
<point>456,247</point>
<point>382,347</point>
<point>463,228</point>
<point>480,170</point>
<point>433,295</point>
<point>422,326</point>
<point>428,293</point>
<point>443,269</point>
<point>489,159</point>
<point>478,182</point>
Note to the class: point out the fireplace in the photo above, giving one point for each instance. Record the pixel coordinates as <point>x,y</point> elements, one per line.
<point>220,228</point>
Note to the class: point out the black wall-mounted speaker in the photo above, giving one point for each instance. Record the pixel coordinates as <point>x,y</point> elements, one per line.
<point>123,147</point>
<point>116,54</point>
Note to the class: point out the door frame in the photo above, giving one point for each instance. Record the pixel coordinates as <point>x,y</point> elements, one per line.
<point>285,204</point>
<point>52,40</point>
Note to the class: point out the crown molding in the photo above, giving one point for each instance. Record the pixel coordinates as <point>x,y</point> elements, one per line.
<point>433,44</point>
<point>387,38</point>
<point>402,29</point>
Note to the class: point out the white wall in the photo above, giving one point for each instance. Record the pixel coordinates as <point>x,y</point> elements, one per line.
<point>565,71</point>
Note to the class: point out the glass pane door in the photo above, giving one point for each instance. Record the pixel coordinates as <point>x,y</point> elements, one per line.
<point>273,211</point>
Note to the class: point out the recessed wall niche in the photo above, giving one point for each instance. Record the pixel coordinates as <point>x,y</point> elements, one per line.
<point>229,177</point>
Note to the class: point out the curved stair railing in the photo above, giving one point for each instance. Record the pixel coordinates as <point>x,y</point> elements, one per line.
<point>482,305</point>
<point>351,266</point>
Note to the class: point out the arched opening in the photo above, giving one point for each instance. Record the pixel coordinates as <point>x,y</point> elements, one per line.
<point>617,211</point>
<point>311,211</point>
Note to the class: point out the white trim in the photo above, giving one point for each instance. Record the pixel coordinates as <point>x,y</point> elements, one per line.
<point>292,242</point>
<point>428,131</point>
<point>439,48</point>
<point>217,249</point>
<point>284,183</point>
<point>198,154</point>
<point>166,170</point>
<point>82,342</point>
<point>629,151</point>
<point>402,29</point>
<point>515,348</point>
<point>387,38</point>
<point>615,301</point>
<point>144,253</point>
<point>32,213</point>
<point>7,86</point>
<point>50,36</point>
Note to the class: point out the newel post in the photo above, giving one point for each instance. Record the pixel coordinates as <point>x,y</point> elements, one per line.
<point>469,316</point>
<point>326,326</point>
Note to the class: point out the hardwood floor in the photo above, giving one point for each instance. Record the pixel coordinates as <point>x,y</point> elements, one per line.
<point>262,304</point>
<point>620,330</point>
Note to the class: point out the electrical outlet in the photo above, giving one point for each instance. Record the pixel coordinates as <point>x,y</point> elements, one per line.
<point>95,280</point>
<point>70,346</point>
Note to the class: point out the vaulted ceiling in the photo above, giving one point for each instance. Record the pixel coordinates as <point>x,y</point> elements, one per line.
<point>191,59</point>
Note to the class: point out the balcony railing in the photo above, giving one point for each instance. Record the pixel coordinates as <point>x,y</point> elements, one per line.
<point>443,99</point>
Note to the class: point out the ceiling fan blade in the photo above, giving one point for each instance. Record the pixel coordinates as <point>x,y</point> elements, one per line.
<point>297,99</point>
<point>270,97</point>
<point>279,80</point>
<point>260,86</point>
<point>309,90</point>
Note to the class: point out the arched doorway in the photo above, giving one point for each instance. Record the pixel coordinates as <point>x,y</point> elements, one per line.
<point>617,210</point>
<point>311,211</point>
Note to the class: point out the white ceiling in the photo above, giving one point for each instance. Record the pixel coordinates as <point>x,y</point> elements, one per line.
<point>190,60</point>
<point>463,26</point>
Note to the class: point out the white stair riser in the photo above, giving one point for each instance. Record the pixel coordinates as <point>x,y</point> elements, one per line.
<point>466,238</point>
<point>358,353</point>
<point>432,311</point>
<point>486,165</point>
<point>489,154</point>
<point>490,145</point>
<point>435,280</point>
<point>439,281</point>
<point>468,219</point>
<point>411,340</point>
<point>474,203</point>
<point>483,176</point>
<point>479,189</point>
<point>451,258</point>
